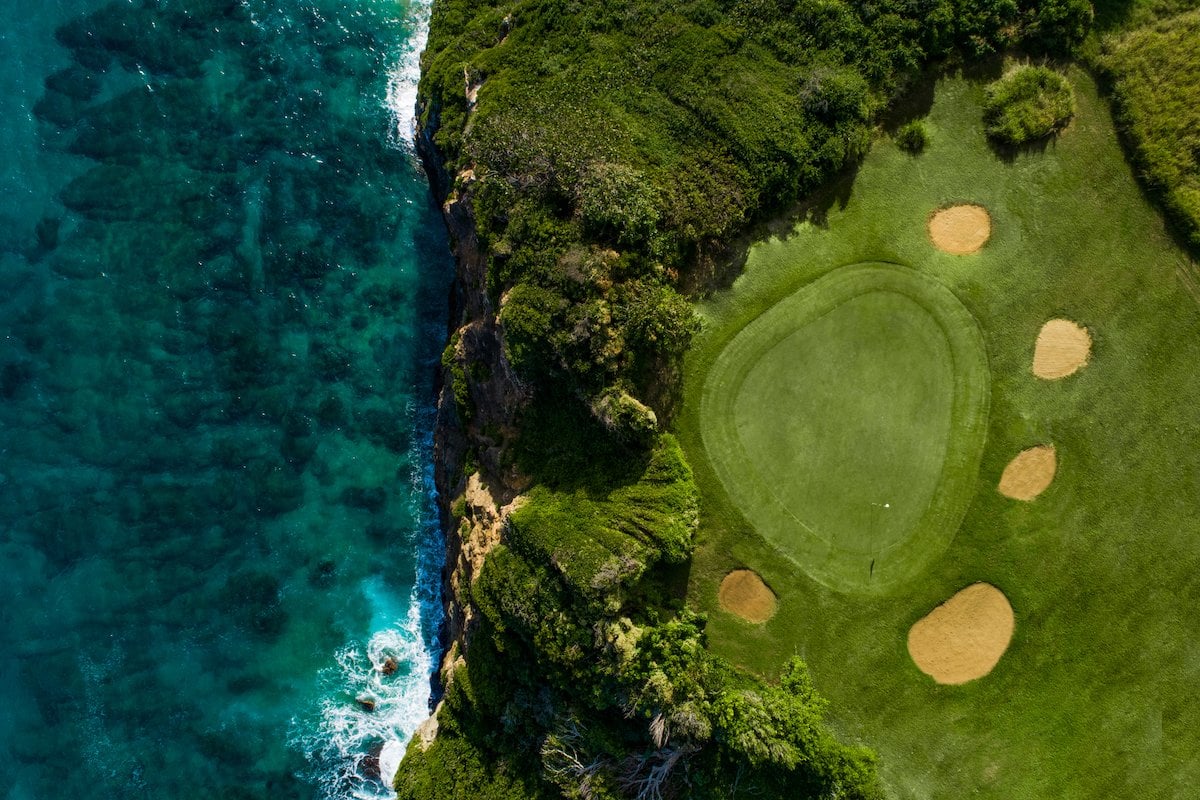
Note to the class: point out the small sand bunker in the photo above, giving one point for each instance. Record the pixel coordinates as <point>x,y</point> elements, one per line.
<point>1062,349</point>
<point>960,230</point>
<point>964,637</point>
<point>743,593</point>
<point>1028,475</point>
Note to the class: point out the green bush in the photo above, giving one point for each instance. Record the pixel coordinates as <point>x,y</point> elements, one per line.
<point>912,136</point>
<point>1027,104</point>
<point>1058,26</point>
<point>1155,72</point>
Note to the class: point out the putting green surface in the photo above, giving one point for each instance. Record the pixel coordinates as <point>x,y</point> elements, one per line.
<point>847,423</point>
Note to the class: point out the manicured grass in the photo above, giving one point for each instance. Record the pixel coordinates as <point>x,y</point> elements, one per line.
<point>1095,696</point>
<point>847,422</point>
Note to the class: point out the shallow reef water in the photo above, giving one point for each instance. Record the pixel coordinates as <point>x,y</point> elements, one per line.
<point>224,294</point>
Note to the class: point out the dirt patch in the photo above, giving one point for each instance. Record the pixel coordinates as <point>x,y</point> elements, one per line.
<point>960,230</point>
<point>964,637</point>
<point>1062,349</point>
<point>744,594</point>
<point>1028,475</point>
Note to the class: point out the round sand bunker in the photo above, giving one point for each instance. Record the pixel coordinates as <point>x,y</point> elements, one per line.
<point>960,230</point>
<point>1030,473</point>
<point>744,594</point>
<point>964,637</point>
<point>1062,349</point>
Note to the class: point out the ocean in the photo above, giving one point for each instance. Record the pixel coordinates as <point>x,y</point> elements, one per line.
<point>224,296</point>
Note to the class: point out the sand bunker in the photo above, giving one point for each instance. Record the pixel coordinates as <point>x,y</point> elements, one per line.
<point>1028,475</point>
<point>743,593</point>
<point>1062,348</point>
<point>964,637</point>
<point>960,230</point>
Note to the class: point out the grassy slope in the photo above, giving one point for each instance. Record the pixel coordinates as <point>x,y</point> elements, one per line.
<point>1156,75</point>
<point>1094,698</point>
<point>852,492</point>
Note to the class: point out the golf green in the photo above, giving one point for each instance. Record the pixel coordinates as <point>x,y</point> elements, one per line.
<point>847,423</point>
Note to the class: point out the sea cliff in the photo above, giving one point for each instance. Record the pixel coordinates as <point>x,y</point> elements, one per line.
<point>474,358</point>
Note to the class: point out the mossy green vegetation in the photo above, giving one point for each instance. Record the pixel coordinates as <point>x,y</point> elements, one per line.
<point>1155,74</point>
<point>601,540</point>
<point>1027,104</point>
<point>559,699</point>
<point>1099,569</point>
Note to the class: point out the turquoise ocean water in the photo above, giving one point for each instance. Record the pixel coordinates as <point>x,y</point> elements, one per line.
<point>224,290</point>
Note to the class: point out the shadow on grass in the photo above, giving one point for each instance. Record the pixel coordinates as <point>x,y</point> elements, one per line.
<point>563,447</point>
<point>1111,14</point>
<point>1009,153</point>
<point>722,264</point>
<point>725,263</point>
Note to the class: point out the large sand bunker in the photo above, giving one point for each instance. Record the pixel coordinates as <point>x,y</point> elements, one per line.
<point>1028,475</point>
<point>1062,348</point>
<point>964,637</point>
<point>960,230</point>
<point>743,593</point>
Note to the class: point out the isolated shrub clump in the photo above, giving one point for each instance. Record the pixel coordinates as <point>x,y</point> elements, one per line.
<point>1027,104</point>
<point>912,136</point>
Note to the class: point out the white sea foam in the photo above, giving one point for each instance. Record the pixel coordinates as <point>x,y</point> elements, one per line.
<point>405,74</point>
<point>368,715</point>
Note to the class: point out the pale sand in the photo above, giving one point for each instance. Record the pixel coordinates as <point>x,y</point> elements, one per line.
<point>743,593</point>
<point>1028,475</point>
<point>960,230</point>
<point>964,637</point>
<point>1062,349</point>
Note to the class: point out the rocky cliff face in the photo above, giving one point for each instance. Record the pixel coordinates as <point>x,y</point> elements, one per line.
<point>477,490</point>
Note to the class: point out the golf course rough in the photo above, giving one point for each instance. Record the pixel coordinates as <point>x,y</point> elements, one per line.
<point>847,423</point>
<point>963,639</point>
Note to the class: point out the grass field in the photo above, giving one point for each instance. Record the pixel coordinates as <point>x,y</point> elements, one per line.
<point>847,423</point>
<point>1095,697</point>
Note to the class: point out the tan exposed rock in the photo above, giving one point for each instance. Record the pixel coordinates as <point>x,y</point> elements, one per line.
<point>426,732</point>
<point>478,534</point>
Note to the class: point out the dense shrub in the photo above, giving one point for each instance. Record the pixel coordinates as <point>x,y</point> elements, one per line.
<point>1027,104</point>
<point>1057,26</point>
<point>912,136</point>
<point>652,133</point>
<point>1155,73</point>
